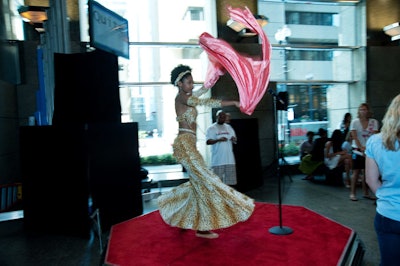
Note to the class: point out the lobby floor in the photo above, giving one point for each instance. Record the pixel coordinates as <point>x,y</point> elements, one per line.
<point>19,248</point>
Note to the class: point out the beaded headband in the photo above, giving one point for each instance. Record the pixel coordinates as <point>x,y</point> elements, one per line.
<point>180,76</point>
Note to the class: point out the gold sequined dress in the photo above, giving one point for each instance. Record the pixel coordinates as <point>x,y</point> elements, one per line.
<point>205,202</point>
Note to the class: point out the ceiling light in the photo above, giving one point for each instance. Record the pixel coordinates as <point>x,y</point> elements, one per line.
<point>262,20</point>
<point>393,30</point>
<point>33,14</point>
<point>242,30</point>
<point>234,25</point>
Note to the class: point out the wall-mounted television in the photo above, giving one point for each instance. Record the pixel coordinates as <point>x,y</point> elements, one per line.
<point>108,31</point>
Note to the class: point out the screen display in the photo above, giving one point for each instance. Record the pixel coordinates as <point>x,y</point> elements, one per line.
<point>108,31</point>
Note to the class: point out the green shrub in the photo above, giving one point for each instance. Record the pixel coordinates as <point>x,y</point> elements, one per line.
<point>291,150</point>
<point>158,159</point>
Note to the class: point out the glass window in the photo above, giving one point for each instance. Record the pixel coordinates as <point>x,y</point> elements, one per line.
<point>153,63</point>
<point>194,13</point>
<point>308,101</point>
<point>162,34</point>
<point>152,107</point>
<point>324,41</point>
<point>12,21</point>
<point>310,18</point>
<point>309,55</point>
<point>159,20</point>
<point>147,96</point>
<point>307,110</point>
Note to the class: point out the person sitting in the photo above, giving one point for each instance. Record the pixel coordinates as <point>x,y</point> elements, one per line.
<point>336,157</point>
<point>346,146</point>
<point>344,125</point>
<point>307,145</point>
<point>310,163</point>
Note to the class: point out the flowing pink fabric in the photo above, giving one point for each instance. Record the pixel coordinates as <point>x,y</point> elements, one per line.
<point>251,75</point>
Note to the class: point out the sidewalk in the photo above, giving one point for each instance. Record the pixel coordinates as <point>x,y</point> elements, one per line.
<point>291,160</point>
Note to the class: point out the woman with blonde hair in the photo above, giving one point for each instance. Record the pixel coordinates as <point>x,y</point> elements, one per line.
<point>383,177</point>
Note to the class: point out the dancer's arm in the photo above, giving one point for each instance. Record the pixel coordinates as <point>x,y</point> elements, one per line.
<point>230,103</point>
<point>199,92</point>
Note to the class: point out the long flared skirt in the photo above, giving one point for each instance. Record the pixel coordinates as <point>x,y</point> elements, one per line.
<point>204,202</point>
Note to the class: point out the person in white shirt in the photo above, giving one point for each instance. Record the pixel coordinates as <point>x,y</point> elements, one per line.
<point>221,137</point>
<point>361,129</point>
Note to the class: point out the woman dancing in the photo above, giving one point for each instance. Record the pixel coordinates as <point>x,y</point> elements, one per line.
<point>204,203</point>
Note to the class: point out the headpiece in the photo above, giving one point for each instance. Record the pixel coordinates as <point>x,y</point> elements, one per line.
<point>180,76</point>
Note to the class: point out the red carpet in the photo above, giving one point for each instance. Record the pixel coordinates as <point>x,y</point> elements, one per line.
<point>316,240</point>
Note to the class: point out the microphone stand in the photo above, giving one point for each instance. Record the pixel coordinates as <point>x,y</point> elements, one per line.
<point>278,230</point>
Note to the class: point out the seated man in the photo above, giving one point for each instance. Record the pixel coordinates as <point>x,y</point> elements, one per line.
<point>307,145</point>
<point>312,162</point>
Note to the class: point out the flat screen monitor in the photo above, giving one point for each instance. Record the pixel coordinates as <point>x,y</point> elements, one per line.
<point>108,31</point>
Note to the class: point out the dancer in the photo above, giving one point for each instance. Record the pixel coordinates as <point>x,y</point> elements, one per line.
<point>204,203</point>
<point>383,177</point>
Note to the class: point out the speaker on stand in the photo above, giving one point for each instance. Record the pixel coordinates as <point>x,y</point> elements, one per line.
<point>279,229</point>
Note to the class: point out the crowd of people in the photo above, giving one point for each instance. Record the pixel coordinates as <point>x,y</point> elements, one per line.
<point>345,148</point>
<point>370,155</point>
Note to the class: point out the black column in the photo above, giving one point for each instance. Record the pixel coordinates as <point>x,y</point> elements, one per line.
<point>54,182</point>
<point>247,154</point>
<point>86,88</point>
<point>114,167</point>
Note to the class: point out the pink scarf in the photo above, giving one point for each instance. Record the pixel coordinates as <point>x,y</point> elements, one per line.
<point>251,75</point>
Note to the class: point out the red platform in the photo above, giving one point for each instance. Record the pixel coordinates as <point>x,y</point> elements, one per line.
<point>316,240</point>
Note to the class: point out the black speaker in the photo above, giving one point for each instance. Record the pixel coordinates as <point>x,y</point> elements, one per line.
<point>282,96</point>
<point>86,88</point>
<point>54,181</point>
<point>63,166</point>
<point>115,180</point>
<point>247,154</point>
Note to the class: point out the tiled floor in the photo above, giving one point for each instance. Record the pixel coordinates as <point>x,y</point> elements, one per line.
<point>19,248</point>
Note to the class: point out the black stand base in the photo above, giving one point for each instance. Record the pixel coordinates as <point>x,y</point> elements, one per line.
<point>280,230</point>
